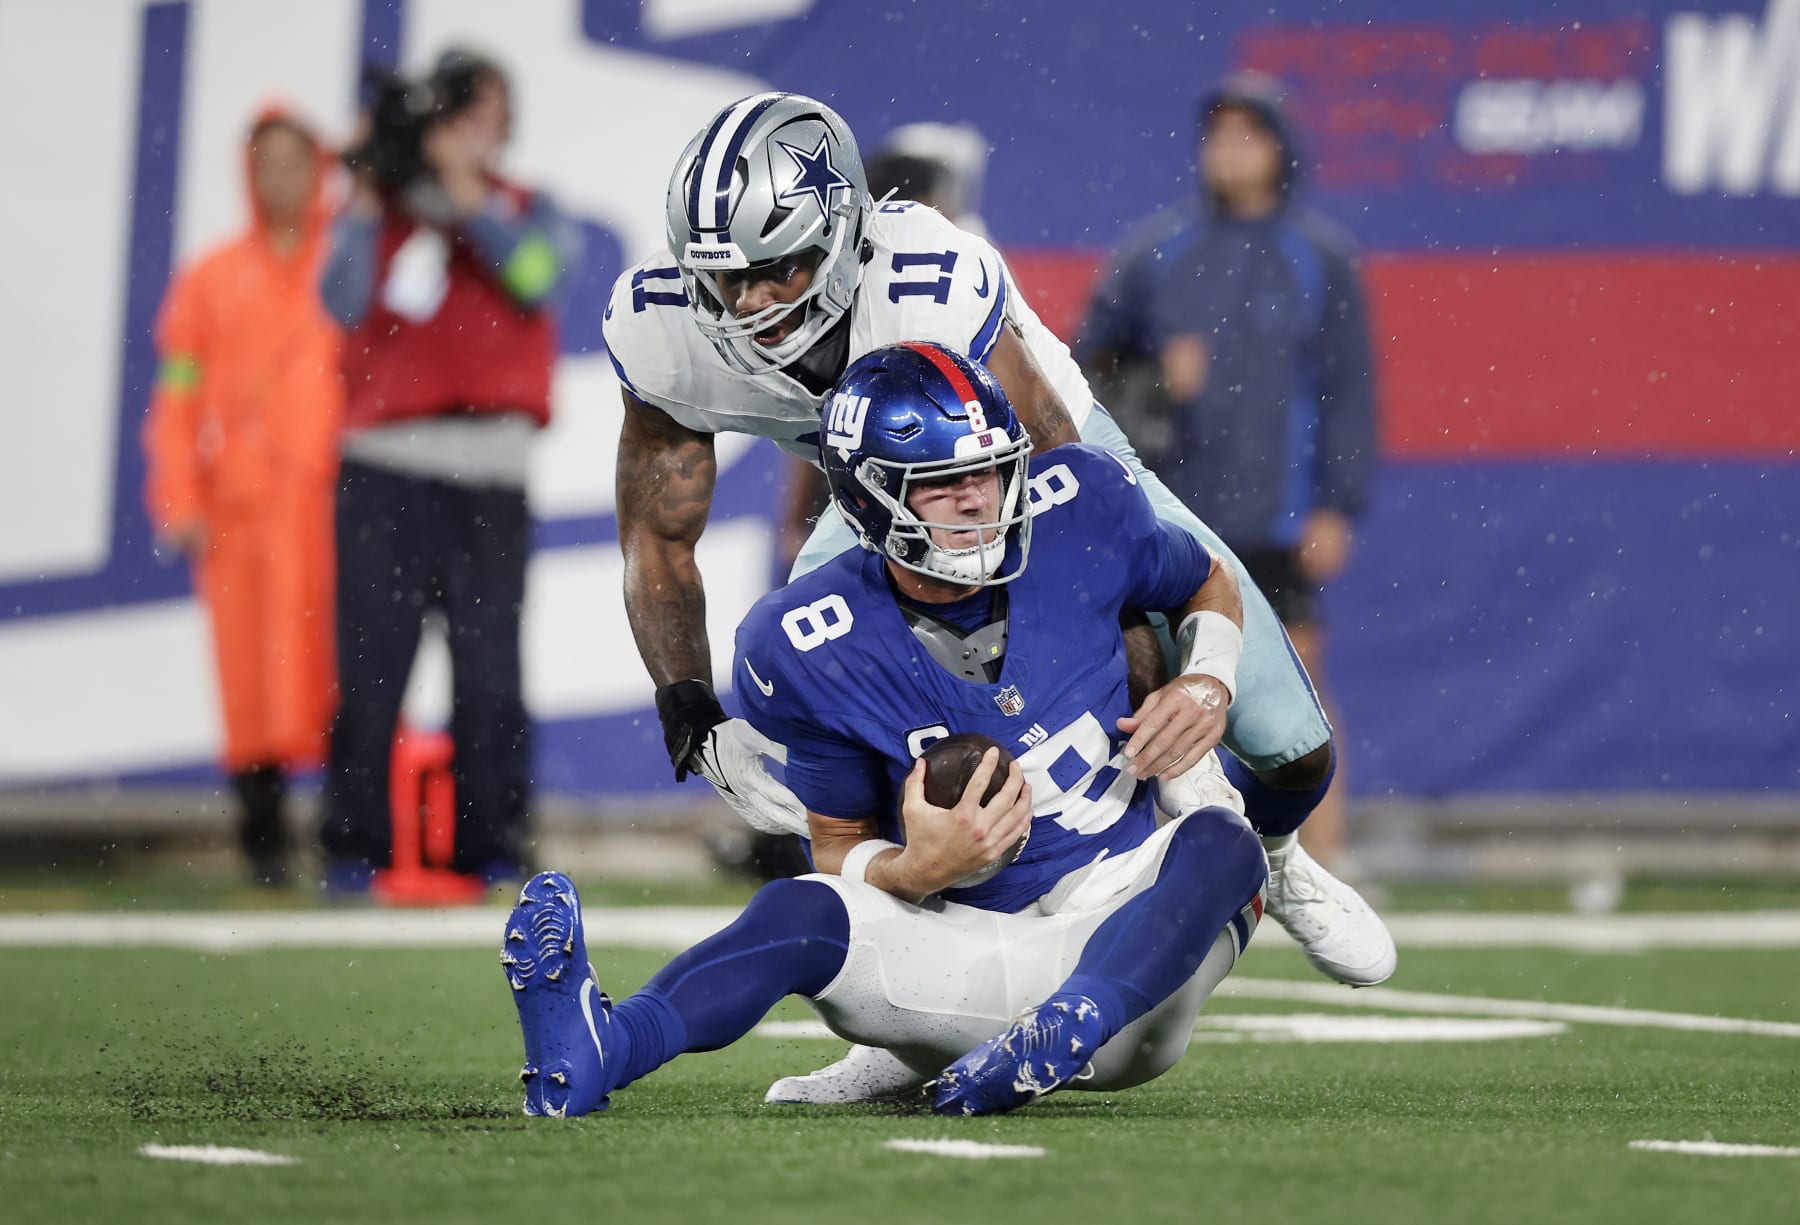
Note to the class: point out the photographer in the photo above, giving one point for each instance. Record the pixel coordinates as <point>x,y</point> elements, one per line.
<point>444,275</point>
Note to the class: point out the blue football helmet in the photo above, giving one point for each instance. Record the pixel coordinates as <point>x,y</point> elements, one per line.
<point>917,414</point>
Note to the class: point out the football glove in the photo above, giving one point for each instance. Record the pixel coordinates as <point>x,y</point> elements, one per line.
<point>688,711</point>
<point>728,754</point>
<point>1201,785</point>
<point>730,757</point>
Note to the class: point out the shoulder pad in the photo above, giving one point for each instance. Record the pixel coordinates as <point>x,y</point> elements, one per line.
<point>642,327</point>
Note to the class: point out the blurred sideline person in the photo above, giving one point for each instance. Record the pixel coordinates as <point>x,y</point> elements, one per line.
<point>1238,323</point>
<point>241,449</point>
<point>445,275</point>
<point>940,164</point>
<point>1079,963</point>
<point>780,271</point>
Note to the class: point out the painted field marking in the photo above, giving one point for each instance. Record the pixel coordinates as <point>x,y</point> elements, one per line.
<point>1711,1148</point>
<point>212,1154</point>
<point>1600,933</point>
<point>1387,999</point>
<point>656,927</point>
<point>677,927</point>
<point>1289,1027</point>
<point>971,1150</point>
<point>1326,1027</point>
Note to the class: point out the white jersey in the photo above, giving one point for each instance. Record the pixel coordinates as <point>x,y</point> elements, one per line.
<point>927,280</point>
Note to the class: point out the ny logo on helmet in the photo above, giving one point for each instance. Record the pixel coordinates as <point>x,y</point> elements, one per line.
<point>816,176</point>
<point>844,422</point>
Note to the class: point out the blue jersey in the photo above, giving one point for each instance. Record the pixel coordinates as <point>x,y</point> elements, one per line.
<point>829,667</point>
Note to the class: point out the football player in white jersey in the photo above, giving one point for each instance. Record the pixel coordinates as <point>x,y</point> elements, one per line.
<point>780,271</point>
<point>1079,959</point>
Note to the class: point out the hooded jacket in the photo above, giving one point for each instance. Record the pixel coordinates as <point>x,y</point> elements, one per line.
<point>240,443</point>
<point>1285,421</point>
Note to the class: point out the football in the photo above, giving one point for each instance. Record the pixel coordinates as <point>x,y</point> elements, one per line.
<point>949,764</point>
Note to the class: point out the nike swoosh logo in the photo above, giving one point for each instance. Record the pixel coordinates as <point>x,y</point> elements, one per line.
<point>983,291</point>
<point>587,1011</point>
<point>767,687</point>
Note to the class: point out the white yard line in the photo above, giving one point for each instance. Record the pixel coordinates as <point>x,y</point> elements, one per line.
<point>1387,999</point>
<point>1336,1028</point>
<point>1288,1027</point>
<point>1606,933</point>
<point>676,927</point>
<point>659,927</point>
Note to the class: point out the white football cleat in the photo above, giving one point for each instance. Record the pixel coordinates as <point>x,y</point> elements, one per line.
<point>1339,932</point>
<point>866,1074</point>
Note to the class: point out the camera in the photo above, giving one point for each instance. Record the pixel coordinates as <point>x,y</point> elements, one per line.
<point>401,111</point>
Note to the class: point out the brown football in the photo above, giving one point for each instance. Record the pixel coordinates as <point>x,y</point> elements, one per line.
<point>949,764</point>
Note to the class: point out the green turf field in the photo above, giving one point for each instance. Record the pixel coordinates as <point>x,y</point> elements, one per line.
<point>219,886</point>
<point>388,1076</point>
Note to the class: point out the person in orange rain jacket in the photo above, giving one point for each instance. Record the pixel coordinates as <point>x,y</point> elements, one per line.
<point>241,443</point>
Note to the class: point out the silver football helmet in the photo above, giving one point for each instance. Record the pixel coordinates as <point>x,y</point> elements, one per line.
<point>771,177</point>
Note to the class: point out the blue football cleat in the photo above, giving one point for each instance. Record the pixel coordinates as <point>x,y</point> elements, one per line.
<point>1043,1050</point>
<point>562,1011</point>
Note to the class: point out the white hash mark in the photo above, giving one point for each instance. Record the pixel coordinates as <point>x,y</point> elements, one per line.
<point>212,1154</point>
<point>971,1150</point>
<point>1711,1148</point>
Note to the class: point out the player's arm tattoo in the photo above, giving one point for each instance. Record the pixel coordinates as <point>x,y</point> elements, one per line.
<point>665,487</point>
<point>1033,398</point>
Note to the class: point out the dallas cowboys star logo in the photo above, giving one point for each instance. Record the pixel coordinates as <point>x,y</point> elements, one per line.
<point>818,178</point>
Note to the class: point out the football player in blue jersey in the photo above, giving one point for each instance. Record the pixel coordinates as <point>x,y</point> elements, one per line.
<point>780,271</point>
<point>986,597</point>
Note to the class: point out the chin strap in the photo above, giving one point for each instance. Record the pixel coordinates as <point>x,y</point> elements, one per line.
<point>979,571</point>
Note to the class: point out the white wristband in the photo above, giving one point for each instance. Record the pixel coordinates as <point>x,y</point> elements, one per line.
<point>1211,644</point>
<point>857,862</point>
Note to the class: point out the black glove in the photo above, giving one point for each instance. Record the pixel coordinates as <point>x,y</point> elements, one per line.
<point>688,710</point>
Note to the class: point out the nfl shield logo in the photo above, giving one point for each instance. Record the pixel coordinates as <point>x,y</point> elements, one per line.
<point>1010,700</point>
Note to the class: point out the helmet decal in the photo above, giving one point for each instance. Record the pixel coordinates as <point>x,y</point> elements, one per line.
<point>710,188</point>
<point>959,382</point>
<point>818,178</point>
<point>844,418</point>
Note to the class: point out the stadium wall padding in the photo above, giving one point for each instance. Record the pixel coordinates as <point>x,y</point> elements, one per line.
<point>1579,220</point>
